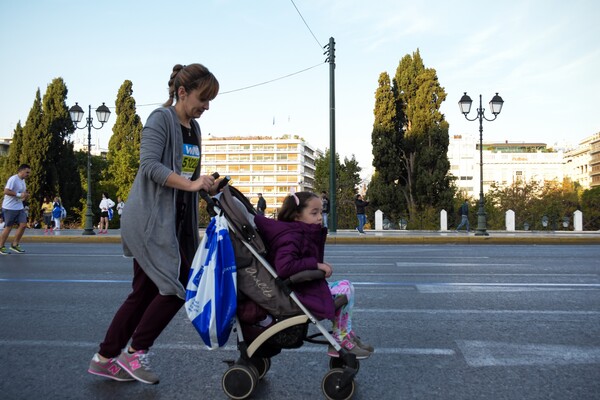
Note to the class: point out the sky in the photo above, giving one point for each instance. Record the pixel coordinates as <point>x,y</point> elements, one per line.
<point>541,56</point>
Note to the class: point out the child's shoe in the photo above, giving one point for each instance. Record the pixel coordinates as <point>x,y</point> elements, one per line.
<point>108,369</point>
<point>360,343</point>
<point>347,344</point>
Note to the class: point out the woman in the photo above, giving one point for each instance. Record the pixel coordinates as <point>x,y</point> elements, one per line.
<point>47,214</point>
<point>56,213</point>
<point>106,205</point>
<point>160,228</point>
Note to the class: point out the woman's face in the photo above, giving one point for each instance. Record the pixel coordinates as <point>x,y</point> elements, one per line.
<point>312,213</point>
<point>192,104</point>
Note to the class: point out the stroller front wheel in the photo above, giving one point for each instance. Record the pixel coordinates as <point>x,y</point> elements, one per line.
<point>262,365</point>
<point>239,381</point>
<point>337,362</point>
<point>332,388</point>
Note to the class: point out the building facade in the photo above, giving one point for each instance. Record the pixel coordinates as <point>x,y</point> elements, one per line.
<point>262,164</point>
<point>503,163</point>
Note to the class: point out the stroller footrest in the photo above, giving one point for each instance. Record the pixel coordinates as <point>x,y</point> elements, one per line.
<point>278,327</point>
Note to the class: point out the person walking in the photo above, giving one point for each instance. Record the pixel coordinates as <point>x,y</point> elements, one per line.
<point>15,192</point>
<point>464,214</point>
<point>47,215</point>
<point>360,213</point>
<point>56,213</point>
<point>261,205</point>
<point>325,204</point>
<point>106,205</point>
<point>160,228</point>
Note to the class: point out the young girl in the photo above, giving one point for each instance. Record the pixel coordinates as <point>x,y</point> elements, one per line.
<point>296,243</point>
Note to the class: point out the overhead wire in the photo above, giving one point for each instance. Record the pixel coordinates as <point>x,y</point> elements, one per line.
<point>271,80</point>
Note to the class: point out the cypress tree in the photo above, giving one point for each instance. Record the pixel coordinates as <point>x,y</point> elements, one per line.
<point>124,145</point>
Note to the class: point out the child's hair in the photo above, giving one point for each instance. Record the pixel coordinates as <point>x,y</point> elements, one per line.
<point>293,205</point>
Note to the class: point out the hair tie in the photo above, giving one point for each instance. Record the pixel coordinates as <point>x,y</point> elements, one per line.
<point>296,199</point>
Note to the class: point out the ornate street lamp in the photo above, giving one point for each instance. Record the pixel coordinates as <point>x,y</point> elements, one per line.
<point>103,113</point>
<point>495,106</point>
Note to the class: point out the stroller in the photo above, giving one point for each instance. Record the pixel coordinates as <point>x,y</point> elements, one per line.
<point>263,296</point>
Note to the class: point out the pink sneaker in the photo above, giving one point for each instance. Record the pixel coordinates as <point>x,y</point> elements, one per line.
<point>347,344</point>
<point>138,366</point>
<point>109,369</point>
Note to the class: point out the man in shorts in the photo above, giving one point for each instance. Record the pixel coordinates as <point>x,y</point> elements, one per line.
<point>15,193</point>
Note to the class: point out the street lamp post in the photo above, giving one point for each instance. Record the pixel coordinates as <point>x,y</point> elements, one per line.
<point>103,113</point>
<point>495,106</point>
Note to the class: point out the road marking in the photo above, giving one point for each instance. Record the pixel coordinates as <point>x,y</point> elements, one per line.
<point>492,312</point>
<point>490,354</point>
<point>306,348</point>
<point>442,264</point>
<point>65,280</point>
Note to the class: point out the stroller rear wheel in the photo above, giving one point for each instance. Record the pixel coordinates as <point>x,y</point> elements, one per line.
<point>337,362</point>
<point>262,365</point>
<point>239,381</point>
<point>331,386</point>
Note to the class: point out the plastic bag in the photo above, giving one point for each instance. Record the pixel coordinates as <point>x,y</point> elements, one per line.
<point>211,299</point>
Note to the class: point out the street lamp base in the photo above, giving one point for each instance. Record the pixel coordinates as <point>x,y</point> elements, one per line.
<point>481,233</point>
<point>88,232</point>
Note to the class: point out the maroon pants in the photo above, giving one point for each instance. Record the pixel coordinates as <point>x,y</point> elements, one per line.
<point>143,315</point>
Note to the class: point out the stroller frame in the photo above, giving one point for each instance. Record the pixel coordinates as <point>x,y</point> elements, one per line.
<point>243,375</point>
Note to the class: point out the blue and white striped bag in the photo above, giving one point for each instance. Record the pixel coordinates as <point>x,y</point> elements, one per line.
<point>210,300</point>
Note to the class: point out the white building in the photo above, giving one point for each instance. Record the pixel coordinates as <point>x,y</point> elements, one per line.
<point>503,163</point>
<point>262,164</point>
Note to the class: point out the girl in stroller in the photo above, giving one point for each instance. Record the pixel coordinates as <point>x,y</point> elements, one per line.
<point>296,243</point>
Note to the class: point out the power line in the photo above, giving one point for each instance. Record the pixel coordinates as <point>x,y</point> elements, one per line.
<point>248,87</point>
<point>308,27</point>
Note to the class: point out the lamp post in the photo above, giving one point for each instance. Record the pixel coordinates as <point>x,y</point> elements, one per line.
<point>495,106</point>
<point>103,113</point>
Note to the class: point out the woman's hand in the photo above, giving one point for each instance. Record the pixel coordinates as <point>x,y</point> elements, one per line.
<point>204,182</point>
<point>325,268</point>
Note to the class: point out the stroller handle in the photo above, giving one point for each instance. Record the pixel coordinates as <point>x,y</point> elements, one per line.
<point>210,204</point>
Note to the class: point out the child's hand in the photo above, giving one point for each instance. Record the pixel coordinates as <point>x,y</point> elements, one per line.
<point>325,268</point>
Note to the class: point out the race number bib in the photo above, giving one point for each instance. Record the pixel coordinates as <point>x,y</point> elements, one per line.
<point>191,159</point>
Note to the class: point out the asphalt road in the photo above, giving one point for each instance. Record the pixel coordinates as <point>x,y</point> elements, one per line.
<point>448,322</point>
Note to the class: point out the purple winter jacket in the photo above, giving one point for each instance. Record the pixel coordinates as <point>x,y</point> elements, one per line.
<point>294,247</point>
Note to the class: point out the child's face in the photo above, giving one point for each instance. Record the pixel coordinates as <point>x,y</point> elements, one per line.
<point>311,214</point>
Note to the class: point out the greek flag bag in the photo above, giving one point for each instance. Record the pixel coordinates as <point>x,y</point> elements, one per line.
<point>211,300</point>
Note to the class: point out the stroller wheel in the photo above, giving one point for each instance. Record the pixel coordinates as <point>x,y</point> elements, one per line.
<point>336,362</point>
<point>239,381</point>
<point>331,386</point>
<point>262,365</point>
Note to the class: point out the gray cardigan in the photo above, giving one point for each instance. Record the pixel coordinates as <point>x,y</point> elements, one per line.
<point>148,224</point>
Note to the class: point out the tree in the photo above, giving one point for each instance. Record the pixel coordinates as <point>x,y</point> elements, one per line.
<point>62,177</point>
<point>410,141</point>
<point>590,207</point>
<point>13,159</point>
<point>124,145</point>
<point>35,147</point>
<point>347,181</point>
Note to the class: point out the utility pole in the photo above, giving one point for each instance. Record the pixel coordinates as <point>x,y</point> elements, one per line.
<point>330,52</point>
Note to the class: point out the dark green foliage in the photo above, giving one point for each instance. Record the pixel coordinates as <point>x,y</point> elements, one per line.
<point>124,145</point>
<point>347,181</point>
<point>410,140</point>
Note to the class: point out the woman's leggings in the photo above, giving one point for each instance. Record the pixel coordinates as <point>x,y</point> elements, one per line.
<point>342,322</point>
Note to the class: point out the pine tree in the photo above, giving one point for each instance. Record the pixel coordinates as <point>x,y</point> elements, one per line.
<point>423,178</point>
<point>36,144</point>
<point>60,162</point>
<point>124,145</point>
<point>13,158</point>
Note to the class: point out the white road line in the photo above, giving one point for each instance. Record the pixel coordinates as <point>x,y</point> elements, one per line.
<point>442,264</point>
<point>467,311</point>
<point>307,348</point>
<point>491,354</point>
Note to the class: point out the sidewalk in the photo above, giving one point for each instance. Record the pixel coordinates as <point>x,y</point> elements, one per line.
<point>372,237</point>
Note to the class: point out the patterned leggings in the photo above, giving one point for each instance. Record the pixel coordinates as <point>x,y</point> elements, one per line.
<point>342,322</point>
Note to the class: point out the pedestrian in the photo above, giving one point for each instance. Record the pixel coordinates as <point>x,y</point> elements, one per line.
<point>261,205</point>
<point>56,213</point>
<point>325,203</point>
<point>296,242</point>
<point>15,193</point>
<point>47,214</point>
<point>160,228</point>
<point>360,213</point>
<point>106,205</point>
<point>464,214</point>
<point>120,205</point>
